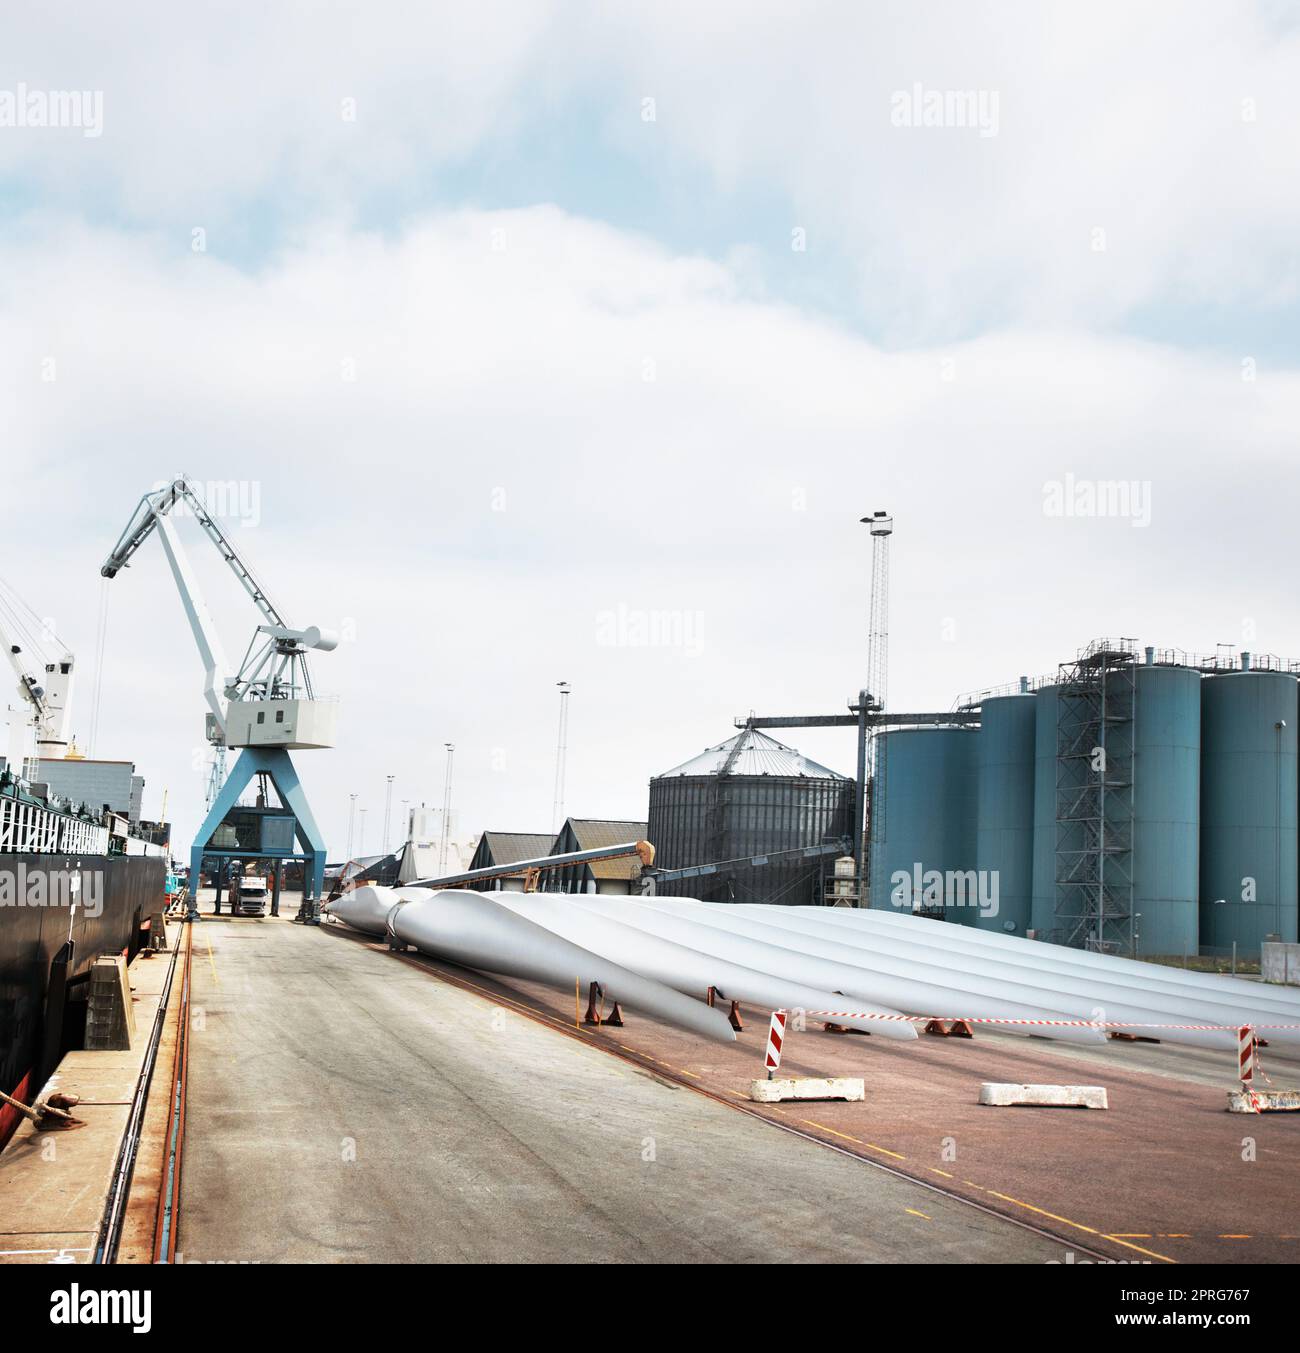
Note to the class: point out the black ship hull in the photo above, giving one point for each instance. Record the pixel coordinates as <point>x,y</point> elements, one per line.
<point>40,973</point>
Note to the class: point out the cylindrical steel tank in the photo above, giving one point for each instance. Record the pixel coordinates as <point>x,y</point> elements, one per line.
<point>1043,902</point>
<point>1157,753</point>
<point>1004,841</point>
<point>773,799</point>
<point>1167,810</point>
<point>1248,810</point>
<point>923,823</point>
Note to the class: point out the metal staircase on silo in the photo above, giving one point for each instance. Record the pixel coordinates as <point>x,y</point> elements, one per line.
<point>1096,710</point>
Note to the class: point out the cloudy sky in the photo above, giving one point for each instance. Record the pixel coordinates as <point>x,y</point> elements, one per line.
<point>569,341</point>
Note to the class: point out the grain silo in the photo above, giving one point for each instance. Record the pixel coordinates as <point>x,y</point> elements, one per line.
<point>748,796</point>
<point>1248,810</point>
<point>1004,836</point>
<point>1117,804</point>
<point>923,822</point>
<point>1043,902</point>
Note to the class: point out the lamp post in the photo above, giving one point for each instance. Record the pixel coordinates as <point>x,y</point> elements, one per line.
<point>352,815</point>
<point>446,806</point>
<point>561,752</point>
<point>881,526</point>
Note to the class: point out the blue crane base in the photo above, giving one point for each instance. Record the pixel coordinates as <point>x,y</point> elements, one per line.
<point>276,763</point>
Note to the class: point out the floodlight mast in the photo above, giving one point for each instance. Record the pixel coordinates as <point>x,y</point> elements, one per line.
<point>268,707</point>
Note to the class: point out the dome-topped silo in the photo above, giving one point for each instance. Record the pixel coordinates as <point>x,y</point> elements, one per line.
<point>750,795</point>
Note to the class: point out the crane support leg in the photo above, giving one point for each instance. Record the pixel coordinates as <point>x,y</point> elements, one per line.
<point>276,763</point>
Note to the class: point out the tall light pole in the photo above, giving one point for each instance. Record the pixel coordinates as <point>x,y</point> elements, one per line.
<point>352,815</point>
<point>361,848</point>
<point>881,526</point>
<point>446,806</point>
<point>388,811</point>
<point>561,753</point>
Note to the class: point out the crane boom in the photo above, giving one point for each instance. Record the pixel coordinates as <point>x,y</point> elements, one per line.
<point>276,649</point>
<point>216,666</point>
<point>153,507</point>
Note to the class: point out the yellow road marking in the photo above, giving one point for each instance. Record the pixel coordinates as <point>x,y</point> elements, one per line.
<point>821,1127</point>
<point>1078,1226</point>
<point>871,1146</point>
<point>1234,1237</point>
<point>913,1212</point>
<point>211,957</point>
<point>883,1152</point>
<point>934,1169</point>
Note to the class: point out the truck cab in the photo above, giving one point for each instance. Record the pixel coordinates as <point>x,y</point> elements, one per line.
<point>249,895</point>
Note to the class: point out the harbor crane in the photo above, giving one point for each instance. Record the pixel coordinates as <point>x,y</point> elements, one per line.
<point>43,666</point>
<point>266,708</point>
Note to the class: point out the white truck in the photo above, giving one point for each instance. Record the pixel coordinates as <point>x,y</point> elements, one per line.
<point>249,895</point>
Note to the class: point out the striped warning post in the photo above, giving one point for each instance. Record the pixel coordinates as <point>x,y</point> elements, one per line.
<point>1246,1054</point>
<point>775,1037</point>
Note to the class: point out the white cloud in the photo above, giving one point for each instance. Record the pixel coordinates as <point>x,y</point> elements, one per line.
<point>725,490</point>
<point>1129,119</point>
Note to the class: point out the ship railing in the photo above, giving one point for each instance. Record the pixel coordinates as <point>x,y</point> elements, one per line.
<point>135,845</point>
<point>27,828</point>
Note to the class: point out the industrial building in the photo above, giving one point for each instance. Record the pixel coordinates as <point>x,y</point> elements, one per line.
<point>609,877</point>
<point>502,848</point>
<point>1137,802</point>
<point>741,800</point>
<point>97,784</point>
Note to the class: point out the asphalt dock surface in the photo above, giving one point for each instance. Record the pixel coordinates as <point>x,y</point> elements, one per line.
<point>346,1106</point>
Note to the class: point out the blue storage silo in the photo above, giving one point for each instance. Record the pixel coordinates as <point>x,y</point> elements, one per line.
<point>1248,810</point>
<point>1167,810</point>
<point>1144,842</point>
<point>923,816</point>
<point>1042,915</point>
<point>1004,836</point>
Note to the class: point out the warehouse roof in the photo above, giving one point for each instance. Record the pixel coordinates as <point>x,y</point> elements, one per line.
<point>593,833</point>
<point>511,847</point>
<point>755,754</point>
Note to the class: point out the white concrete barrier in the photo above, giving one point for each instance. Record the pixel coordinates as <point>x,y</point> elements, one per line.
<point>1046,1096</point>
<point>807,1087</point>
<point>1263,1101</point>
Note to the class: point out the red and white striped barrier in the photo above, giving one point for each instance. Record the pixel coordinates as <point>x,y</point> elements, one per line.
<point>775,1037</point>
<point>1247,1054</point>
<point>1057,1023</point>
